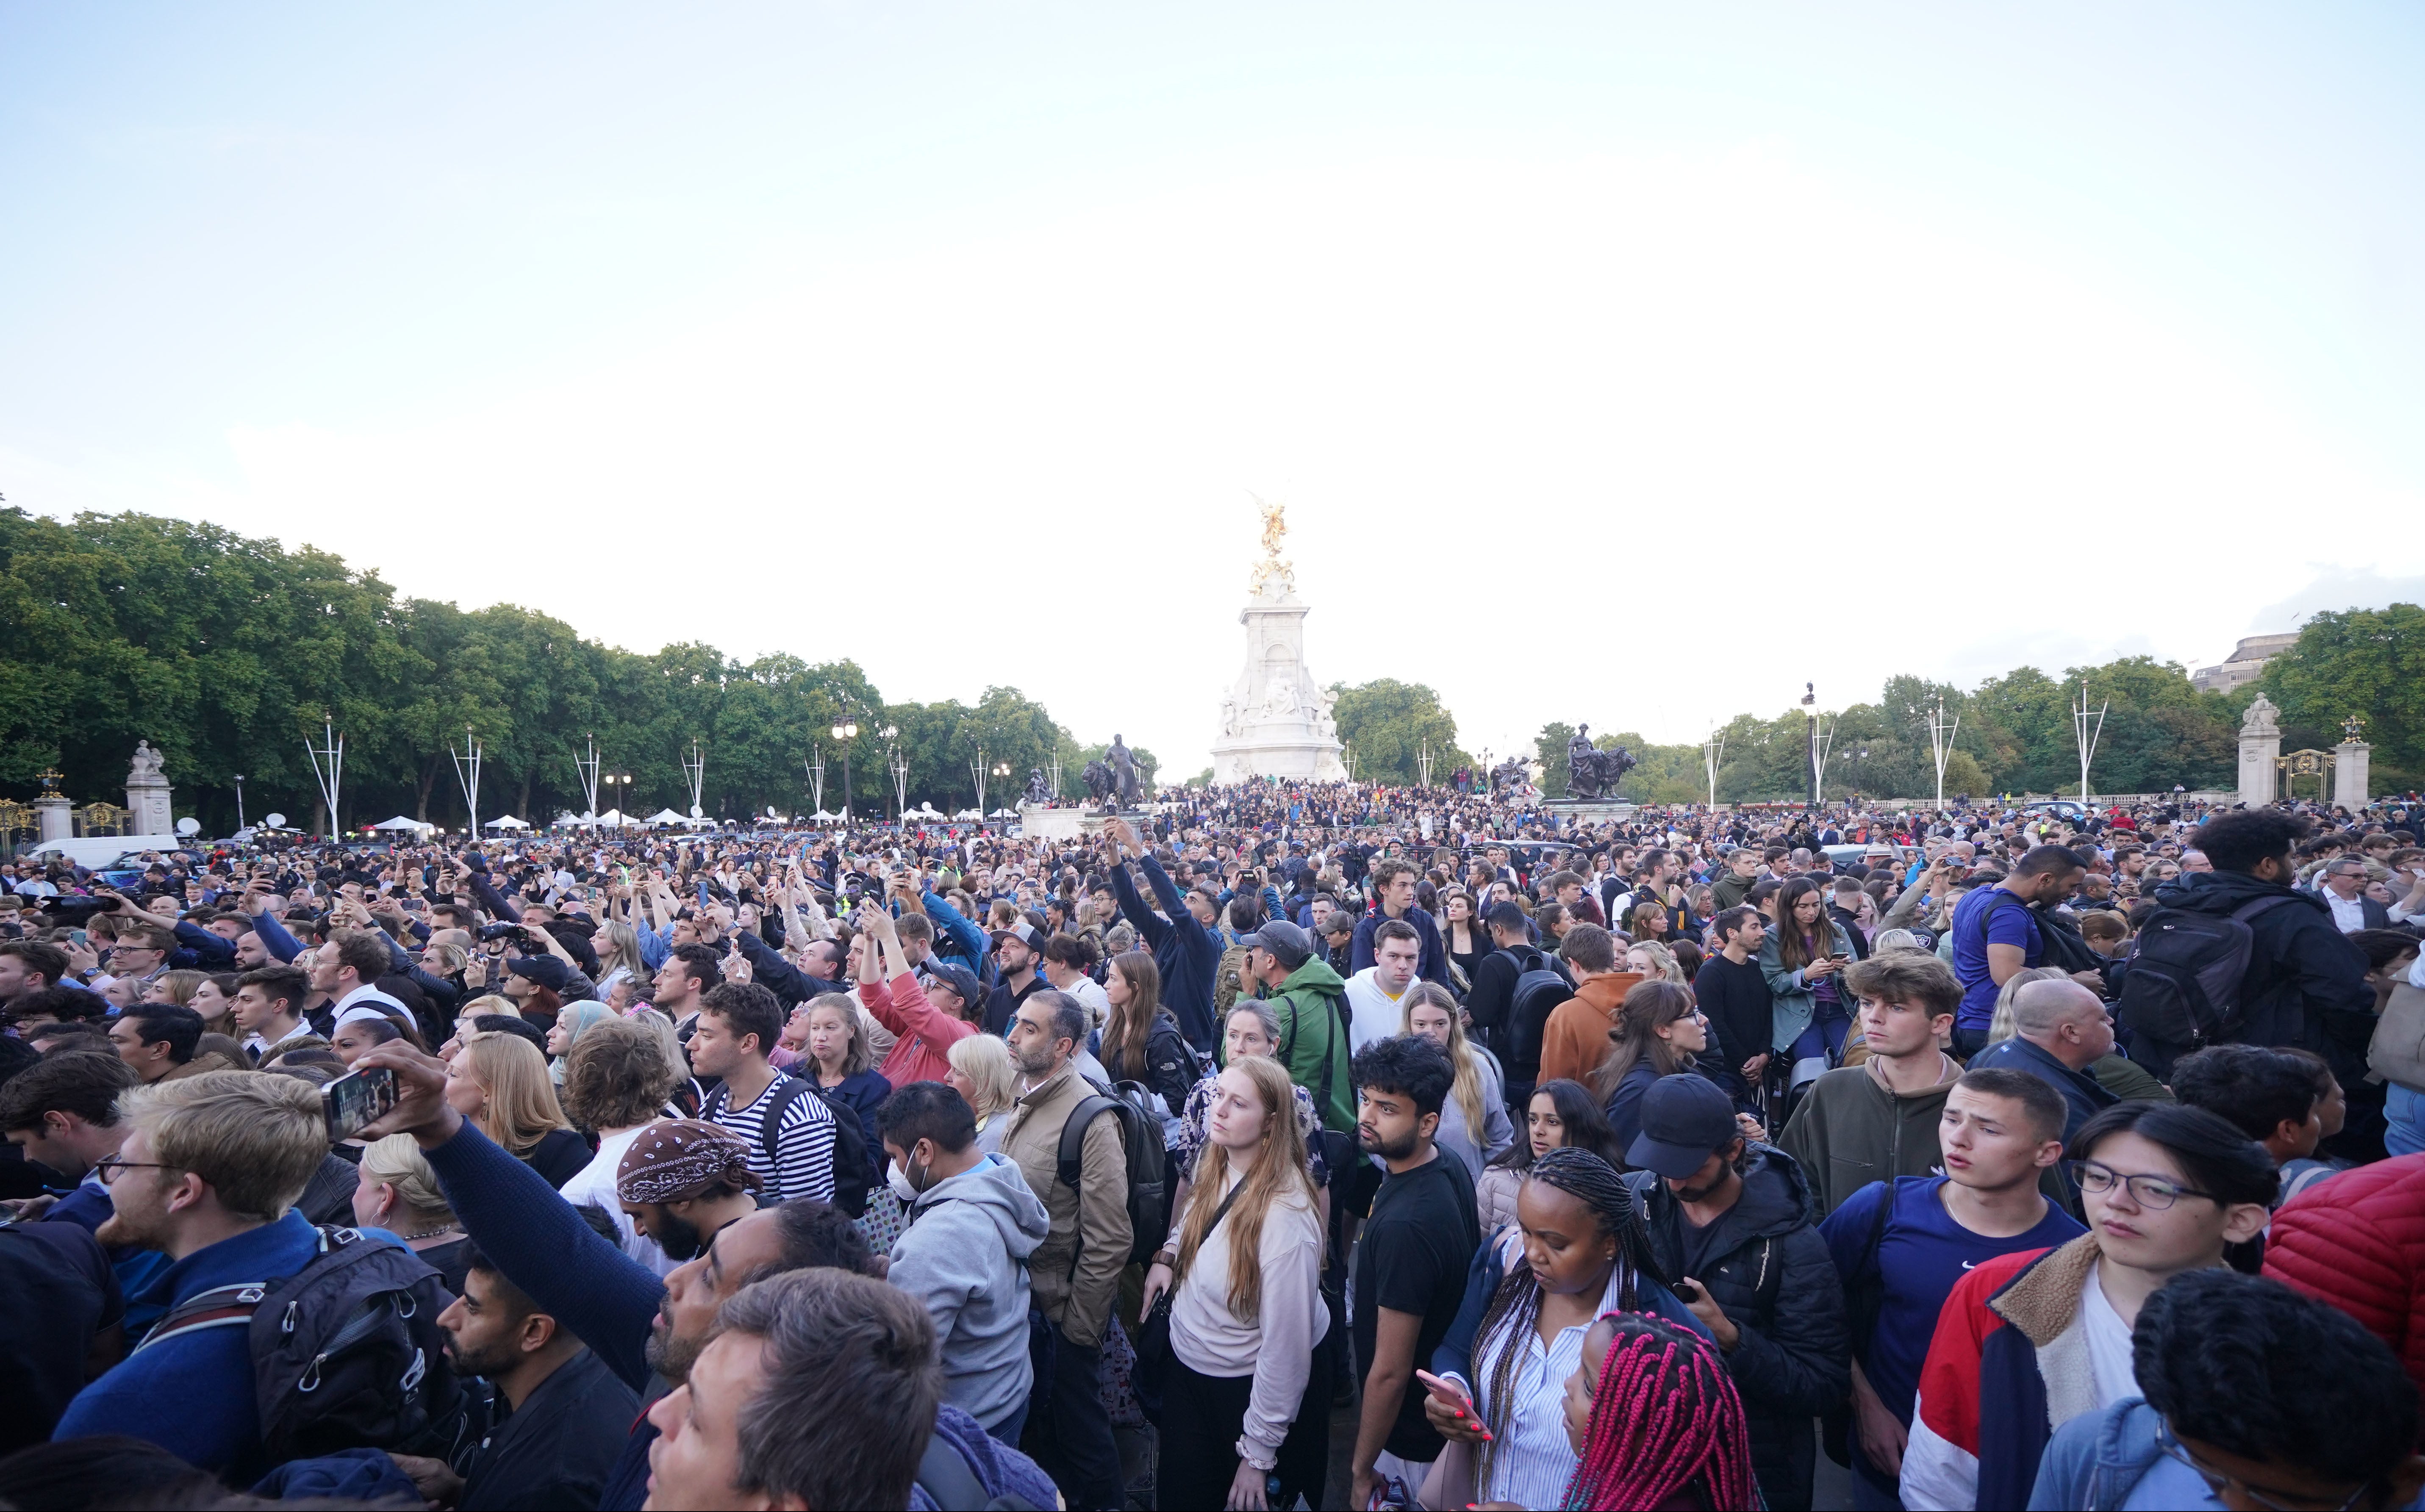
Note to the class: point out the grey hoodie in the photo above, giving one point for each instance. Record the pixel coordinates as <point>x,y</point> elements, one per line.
<point>964,1255</point>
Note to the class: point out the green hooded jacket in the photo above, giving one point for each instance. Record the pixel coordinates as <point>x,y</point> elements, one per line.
<point>1311,1007</point>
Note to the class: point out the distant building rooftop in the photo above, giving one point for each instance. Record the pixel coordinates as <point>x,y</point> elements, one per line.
<point>2246,661</point>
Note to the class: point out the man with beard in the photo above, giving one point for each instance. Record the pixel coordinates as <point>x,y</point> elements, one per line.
<point>567,1414</point>
<point>207,1175</point>
<point>1411,1262</point>
<point>648,1332</point>
<point>681,1181</point>
<point>1074,1274</point>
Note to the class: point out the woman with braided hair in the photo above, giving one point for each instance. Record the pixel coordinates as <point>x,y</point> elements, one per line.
<point>1656,1423</point>
<point>1496,1376</point>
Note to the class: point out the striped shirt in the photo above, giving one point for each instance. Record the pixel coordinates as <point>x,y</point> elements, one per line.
<point>804,1145</point>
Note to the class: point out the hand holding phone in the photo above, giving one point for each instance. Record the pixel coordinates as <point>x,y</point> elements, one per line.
<point>1450,1411</point>
<point>356,1100</point>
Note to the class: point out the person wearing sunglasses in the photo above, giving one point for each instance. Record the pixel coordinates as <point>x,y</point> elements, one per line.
<point>2254,1397</point>
<point>2028,1341</point>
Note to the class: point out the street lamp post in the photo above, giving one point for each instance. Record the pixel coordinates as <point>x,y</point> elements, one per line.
<point>1810,738</point>
<point>900,768</point>
<point>845,731</point>
<point>239,800</point>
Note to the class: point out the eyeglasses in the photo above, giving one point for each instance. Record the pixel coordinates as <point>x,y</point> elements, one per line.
<point>108,1167</point>
<point>2218,1482</point>
<point>2154,1193</point>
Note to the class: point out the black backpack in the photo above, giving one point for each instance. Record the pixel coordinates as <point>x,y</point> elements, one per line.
<point>851,1171</point>
<point>346,1352</point>
<point>2186,973</point>
<point>2060,943</point>
<point>1538,993</point>
<point>1129,1103</point>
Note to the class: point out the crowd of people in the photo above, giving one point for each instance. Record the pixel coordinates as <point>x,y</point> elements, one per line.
<point>1277,1144</point>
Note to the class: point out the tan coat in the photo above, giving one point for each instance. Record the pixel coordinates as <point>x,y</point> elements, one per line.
<point>1576,1037</point>
<point>1075,1273</point>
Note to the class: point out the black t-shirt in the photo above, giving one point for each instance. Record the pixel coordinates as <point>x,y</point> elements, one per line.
<point>559,1155</point>
<point>1740,1006</point>
<point>1412,1258</point>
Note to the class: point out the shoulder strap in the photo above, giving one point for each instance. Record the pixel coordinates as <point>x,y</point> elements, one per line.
<point>2255,906</point>
<point>770,1124</point>
<point>945,1475</point>
<point>1069,1159</point>
<point>1218,1213</point>
<point>218,1308</point>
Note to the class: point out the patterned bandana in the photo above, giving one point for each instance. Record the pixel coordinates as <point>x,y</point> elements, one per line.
<point>679,1159</point>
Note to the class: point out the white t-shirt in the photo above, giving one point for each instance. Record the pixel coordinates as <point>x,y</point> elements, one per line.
<point>2109,1345</point>
<point>595,1183</point>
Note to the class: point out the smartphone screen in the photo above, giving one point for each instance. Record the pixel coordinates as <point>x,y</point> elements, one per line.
<point>353,1101</point>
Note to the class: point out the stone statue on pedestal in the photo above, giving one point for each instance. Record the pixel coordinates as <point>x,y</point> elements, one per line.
<point>1591,774</point>
<point>1037,792</point>
<point>1124,771</point>
<point>1099,780</point>
<point>146,765</point>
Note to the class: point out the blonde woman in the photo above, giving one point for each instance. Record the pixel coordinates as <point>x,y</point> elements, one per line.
<point>1242,1269</point>
<point>618,958</point>
<point>983,1072</point>
<point>500,1082</point>
<point>1473,1122</point>
<point>1653,961</point>
<point>174,987</point>
<point>467,1018</point>
<point>397,1191</point>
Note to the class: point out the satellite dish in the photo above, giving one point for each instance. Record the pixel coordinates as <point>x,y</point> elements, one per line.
<point>276,822</point>
<point>694,813</point>
<point>189,825</point>
<point>770,812</point>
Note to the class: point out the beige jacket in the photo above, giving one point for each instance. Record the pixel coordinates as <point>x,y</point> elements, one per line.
<point>1075,1273</point>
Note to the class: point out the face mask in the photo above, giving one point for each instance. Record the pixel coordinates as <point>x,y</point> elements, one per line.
<point>898,1179</point>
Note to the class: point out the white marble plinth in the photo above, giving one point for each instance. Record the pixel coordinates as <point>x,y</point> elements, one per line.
<point>1040,823</point>
<point>1275,720</point>
<point>2349,760</point>
<point>54,818</point>
<point>149,801</point>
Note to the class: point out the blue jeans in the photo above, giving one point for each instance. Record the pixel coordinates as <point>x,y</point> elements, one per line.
<point>2405,1109</point>
<point>1006,1431</point>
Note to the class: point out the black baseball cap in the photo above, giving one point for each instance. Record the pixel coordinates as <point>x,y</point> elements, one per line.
<point>1290,945</point>
<point>547,971</point>
<point>1685,1119</point>
<point>958,979</point>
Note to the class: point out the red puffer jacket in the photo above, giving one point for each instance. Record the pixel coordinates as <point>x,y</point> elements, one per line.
<point>2357,1241</point>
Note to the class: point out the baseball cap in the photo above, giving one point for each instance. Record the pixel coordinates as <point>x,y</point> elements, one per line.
<point>1685,1119</point>
<point>958,979</point>
<point>1023,933</point>
<point>1290,945</point>
<point>547,971</point>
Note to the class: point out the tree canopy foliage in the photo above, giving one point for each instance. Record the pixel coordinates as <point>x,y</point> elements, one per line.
<point>1388,722</point>
<point>226,653</point>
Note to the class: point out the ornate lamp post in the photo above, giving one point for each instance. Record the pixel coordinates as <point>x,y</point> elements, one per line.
<point>844,731</point>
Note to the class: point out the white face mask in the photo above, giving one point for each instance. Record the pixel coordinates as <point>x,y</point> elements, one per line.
<point>899,1181</point>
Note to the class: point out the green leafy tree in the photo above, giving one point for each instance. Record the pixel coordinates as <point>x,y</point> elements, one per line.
<point>2369,662</point>
<point>1388,721</point>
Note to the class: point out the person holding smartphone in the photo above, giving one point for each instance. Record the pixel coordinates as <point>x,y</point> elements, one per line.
<point>1802,960</point>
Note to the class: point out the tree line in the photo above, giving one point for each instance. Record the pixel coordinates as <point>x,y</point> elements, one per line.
<point>226,653</point>
<point>2014,733</point>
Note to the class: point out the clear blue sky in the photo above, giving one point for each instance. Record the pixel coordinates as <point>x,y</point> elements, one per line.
<point>643,316</point>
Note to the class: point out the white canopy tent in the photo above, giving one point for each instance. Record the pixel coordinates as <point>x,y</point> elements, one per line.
<point>665,816</point>
<point>1003,813</point>
<point>400,822</point>
<point>506,822</point>
<point>968,813</point>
